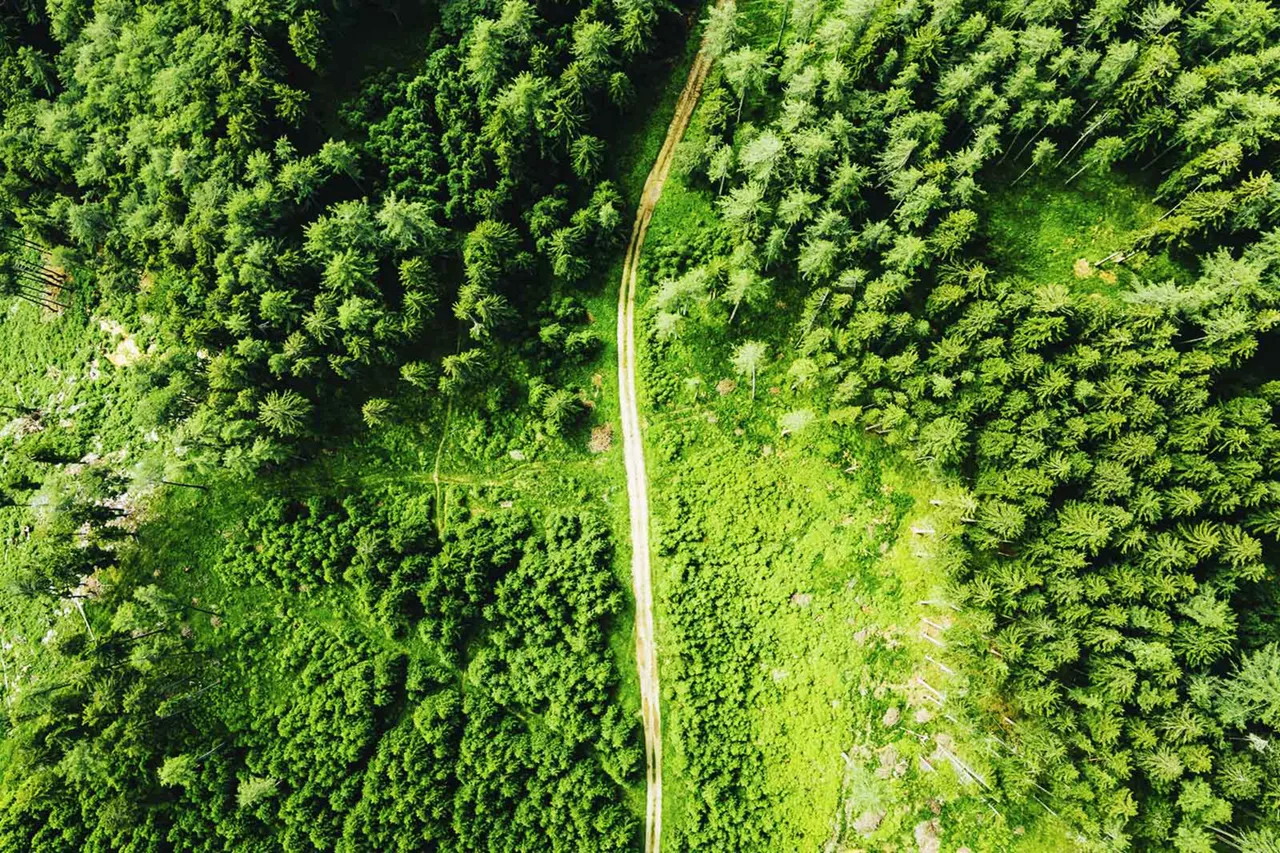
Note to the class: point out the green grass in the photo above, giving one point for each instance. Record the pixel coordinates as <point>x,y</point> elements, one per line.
<point>1040,229</point>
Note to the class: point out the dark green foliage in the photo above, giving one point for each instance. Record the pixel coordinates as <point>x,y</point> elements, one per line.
<point>457,587</point>
<point>290,729</point>
<point>378,544</point>
<point>195,187</point>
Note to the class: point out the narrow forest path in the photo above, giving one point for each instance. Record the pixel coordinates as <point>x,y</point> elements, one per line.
<point>633,452</point>
<point>435,471</point>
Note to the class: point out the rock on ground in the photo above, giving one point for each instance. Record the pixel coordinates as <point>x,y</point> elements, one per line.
<point>867,822</point>
<point>927,839</point>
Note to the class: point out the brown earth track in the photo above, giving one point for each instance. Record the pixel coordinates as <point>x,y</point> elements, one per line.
<point>633,453</point>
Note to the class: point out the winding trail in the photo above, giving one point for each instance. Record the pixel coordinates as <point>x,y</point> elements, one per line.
<point>633,452</point>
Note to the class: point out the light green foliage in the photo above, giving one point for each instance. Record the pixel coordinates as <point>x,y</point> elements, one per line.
<point>1253,692</point>
<point>1065,345</point>
<point>285,413</point>
<point>253,790</point>
<point>747,359</point>
<point>177,770</point>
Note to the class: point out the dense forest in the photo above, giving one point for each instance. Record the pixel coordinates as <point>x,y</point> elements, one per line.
<point>957,313</point>
<point>123,742</point>
<point>231,242</point>
<point>1111,569</point>
<point>289,250</point>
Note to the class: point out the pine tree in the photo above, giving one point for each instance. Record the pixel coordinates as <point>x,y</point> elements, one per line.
<point>285,412</point>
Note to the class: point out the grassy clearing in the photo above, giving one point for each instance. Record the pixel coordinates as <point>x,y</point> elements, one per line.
<point>788,581</point>
<point>764,600</point>
<point>55,364</point>
<point>1040,230</point>
<point>60,364</point>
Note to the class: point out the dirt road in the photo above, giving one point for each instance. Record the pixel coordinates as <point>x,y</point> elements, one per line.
<point>633,452</point>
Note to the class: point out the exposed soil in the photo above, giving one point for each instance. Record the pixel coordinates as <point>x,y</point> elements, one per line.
<point>633,452</point>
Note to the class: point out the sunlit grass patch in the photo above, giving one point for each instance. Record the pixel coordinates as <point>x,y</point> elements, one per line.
<point>1047,232</point>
